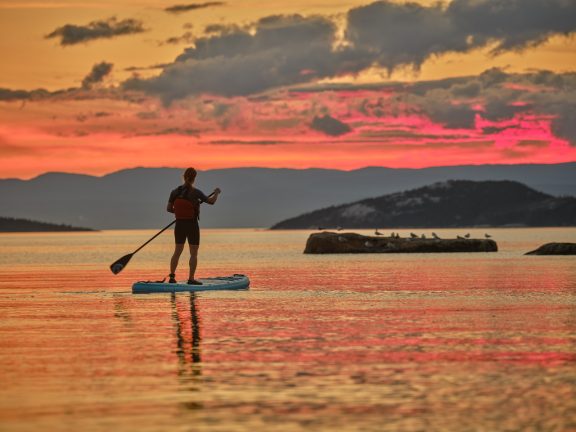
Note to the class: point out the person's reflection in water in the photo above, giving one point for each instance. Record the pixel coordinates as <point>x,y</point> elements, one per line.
<point>187,327</point>
<point>121,304</point>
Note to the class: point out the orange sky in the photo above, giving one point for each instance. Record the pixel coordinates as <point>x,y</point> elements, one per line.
<point>106,126</point>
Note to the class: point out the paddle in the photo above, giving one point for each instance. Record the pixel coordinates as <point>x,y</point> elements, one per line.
<point>119,264</point>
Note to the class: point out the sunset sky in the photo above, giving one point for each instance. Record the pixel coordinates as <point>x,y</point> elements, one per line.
<point>97,86</point>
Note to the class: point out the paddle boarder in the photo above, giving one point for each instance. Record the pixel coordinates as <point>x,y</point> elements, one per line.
<point>185,202</point>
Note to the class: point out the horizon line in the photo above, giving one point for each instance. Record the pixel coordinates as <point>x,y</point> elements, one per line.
<point>276,168</point>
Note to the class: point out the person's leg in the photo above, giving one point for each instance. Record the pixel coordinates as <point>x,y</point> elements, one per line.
<point>179,242</point>
<point>178,248</point>
<point>193,260</point>
<point>194,243</point>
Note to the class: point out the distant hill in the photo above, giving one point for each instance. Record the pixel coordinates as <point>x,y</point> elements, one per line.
<point>25,225</point>
<point>251,197</point>
<point>454,203</point>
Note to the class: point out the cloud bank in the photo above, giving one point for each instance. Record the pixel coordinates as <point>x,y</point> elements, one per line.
<point>278,51</point>
<point>287,50</point>
<point>281,51</point>
<point>498,97</point>
<point>71,34</point>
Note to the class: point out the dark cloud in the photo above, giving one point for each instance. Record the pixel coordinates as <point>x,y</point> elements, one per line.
<point>280,51</point>
<point>555,96</point>
<point>467,90</point>
<point>498,109</point>
<point>493,95</point>
<point>220,28</point>
<point>489,130</point>
<point>9,95</point>
<point>12,95</point>
<point>452,116</point>
<point>71,34</point>
<point>442,106</point>
<point>97,74</point>
<point>393,34</point>
<point>512,25</point>
<point>177,9</point>
<point>187,38</point>
<point>564,125</point>
<point>179,131</point>
<point>330,126</point>
<point>540,92</point>
<point>146,68</point>
<point>396,34</point>
<point>492,76</point>
<point>497,96</point>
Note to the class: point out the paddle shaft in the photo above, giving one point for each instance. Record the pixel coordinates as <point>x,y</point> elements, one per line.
<point>160,232</point>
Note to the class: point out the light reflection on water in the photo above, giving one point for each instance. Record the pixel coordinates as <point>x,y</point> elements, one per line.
<point>347,342</point>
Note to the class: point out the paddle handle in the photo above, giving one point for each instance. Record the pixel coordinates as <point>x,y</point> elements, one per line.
<point>160,232</point>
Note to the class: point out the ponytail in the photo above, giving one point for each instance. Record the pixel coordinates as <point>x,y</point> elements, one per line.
<point>189,177</point>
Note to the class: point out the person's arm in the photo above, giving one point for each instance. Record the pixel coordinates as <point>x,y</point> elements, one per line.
<point>213,197</point>
<point>170,205</point>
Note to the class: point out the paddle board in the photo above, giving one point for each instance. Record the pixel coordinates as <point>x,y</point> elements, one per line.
<point>234,282</point>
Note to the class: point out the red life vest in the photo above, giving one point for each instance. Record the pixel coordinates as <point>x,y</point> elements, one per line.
<point>185,206</point>
<point>186,209</point>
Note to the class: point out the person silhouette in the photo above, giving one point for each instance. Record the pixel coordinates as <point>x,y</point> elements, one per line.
<point>185,202</point>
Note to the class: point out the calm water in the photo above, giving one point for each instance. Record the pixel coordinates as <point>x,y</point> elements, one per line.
<point>338,342</point>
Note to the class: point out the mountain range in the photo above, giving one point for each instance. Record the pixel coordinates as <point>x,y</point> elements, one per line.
<point>454,203</point>
<point>251,197</point>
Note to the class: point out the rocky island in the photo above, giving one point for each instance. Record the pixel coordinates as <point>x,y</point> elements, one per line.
<point>450,204</point>
<point>330,242</point>
<point>555,249</point>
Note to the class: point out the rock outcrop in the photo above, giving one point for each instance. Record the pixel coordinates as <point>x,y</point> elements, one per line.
<point>555,249</point>
<point>330,242</point>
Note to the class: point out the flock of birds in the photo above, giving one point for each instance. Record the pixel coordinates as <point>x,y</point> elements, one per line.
<point>415,236</point>
<point>423,236</point>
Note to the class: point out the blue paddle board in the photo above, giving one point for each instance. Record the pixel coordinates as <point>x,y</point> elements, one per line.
<point>234,282</point>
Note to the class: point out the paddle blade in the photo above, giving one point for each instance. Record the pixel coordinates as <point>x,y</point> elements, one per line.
<point>119,265</point>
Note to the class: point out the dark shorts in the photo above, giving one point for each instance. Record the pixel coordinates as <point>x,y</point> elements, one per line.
<point>187,229</point>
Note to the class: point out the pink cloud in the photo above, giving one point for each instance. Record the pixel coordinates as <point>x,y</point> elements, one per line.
<point>271,131</point>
